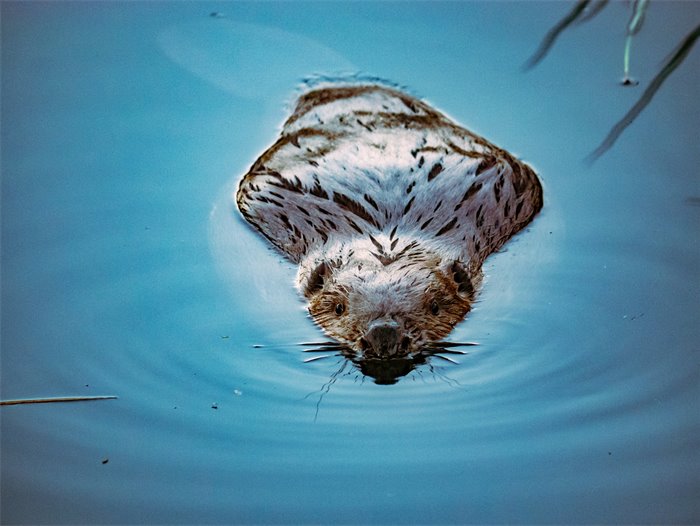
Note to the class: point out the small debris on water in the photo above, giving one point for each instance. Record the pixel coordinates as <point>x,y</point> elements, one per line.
<point>237,392</point>
<point>225,337</point>
<point>105,460</point>
<point>257,346</point>
<point>215,406</point>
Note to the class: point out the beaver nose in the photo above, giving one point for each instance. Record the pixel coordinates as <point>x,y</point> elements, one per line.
<point>382,338</point>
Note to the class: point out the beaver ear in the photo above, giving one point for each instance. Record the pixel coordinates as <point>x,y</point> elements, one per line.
<point>464,283</point>
<point>318,277</point>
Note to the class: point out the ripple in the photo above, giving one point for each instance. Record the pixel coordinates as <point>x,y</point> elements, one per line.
<point>580,403</point>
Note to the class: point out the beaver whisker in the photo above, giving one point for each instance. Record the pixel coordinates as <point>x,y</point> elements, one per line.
<point>323,349</point>
<point>447,345</point>
<point>435,350</point>
<point>446,358</point>
<point>324,344</point>
<point>315,358</point>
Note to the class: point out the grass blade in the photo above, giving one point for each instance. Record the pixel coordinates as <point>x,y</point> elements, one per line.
<point>553,34</point>
<point>673,62</point>
<point>593,11</point>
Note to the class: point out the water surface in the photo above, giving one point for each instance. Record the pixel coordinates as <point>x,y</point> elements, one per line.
<point>126,271</point>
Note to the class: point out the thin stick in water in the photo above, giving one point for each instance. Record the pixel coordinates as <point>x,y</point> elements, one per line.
<point>56,399</point>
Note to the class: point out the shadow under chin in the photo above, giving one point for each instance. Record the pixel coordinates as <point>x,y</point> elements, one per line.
<point>387,371</point>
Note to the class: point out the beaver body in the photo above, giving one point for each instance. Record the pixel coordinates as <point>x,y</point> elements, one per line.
<point>389,210</point>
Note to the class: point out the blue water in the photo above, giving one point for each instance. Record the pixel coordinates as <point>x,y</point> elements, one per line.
<point>125,271</point>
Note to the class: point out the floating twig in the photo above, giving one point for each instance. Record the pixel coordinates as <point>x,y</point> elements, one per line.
<point>56,399</point>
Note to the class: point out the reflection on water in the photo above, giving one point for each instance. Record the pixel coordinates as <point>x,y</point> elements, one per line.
<point>254,61</point>
<point>125,271</point>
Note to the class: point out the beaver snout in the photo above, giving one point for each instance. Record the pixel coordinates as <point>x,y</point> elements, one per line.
<point>384,339</point>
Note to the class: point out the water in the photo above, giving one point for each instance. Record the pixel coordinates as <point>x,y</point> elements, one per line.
<point>125,271</point>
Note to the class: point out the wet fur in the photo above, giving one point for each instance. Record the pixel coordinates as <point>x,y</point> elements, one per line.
<point>389,209</point>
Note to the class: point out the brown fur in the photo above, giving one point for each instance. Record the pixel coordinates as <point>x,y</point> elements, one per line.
<point>389,209</point>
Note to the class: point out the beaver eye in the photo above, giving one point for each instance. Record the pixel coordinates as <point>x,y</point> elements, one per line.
<point>339,309</point>
<point>434,307</point>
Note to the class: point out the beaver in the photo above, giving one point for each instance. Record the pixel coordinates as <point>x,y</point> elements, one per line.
<point>389,209</point>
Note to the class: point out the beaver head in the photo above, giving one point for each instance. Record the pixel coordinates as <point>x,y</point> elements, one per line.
<point>388,308</point>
